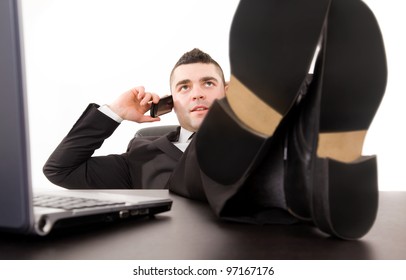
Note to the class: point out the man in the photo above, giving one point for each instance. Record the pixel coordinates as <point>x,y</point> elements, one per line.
<point>196,81</point>
<point>155,162</point>
<point>279,145</point>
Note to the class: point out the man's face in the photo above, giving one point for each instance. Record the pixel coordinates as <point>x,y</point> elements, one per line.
<point>194,87</point>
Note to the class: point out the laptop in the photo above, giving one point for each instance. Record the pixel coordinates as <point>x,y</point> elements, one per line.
<point>21,209</point>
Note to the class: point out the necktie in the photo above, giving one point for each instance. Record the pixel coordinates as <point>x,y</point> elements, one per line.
<point>190,137</point>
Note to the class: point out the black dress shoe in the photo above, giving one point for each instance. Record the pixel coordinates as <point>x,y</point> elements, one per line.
<point>325,146</point>
<point>272,45</point>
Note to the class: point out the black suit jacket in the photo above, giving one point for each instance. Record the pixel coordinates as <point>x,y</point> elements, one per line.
<point>147,163</point>
<point>154,163</point>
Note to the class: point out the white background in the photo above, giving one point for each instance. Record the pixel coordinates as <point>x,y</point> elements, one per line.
<point>82,51</point>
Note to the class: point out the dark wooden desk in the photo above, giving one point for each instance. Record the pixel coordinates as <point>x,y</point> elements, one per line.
<point>190,231</point>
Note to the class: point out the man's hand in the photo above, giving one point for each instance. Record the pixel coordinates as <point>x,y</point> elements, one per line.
<point>133,104</point>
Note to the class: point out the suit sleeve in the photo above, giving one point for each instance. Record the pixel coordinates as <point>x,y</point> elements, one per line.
<point>72,166</point>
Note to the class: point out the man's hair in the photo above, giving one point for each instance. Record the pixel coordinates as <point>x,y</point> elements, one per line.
<point>197,56</point>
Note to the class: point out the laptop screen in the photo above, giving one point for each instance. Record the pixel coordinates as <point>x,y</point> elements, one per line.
<point>15,189</point>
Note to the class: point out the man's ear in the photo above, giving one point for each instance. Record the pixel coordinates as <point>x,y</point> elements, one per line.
<point>226,86</point>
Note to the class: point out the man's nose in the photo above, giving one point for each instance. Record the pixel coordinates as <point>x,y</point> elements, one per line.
<point>198,94</point>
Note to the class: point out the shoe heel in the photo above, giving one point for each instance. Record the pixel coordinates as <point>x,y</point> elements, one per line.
<point>232,159</point>
<point>345,196</point>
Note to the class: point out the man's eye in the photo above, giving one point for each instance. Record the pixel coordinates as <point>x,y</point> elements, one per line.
<point>183,88</point>
<point>209,84</point>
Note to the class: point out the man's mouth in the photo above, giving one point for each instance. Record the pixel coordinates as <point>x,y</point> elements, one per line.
<point>199,108</point>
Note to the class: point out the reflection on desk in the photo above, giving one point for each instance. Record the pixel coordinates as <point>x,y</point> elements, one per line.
<point>191,231</point>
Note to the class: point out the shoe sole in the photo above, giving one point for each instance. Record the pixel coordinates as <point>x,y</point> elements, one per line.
<point>272,45</point>
<point>345,188</point>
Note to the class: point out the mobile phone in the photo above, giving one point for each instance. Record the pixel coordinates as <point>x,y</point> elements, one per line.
<point>164,106</point>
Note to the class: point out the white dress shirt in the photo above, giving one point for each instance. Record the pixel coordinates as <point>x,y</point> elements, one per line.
<point>184,139</point>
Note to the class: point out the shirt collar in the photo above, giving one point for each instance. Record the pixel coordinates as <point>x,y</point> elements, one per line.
<point>184,135</point>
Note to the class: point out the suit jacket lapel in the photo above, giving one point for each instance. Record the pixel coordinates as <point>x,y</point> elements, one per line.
<point>165,144</point>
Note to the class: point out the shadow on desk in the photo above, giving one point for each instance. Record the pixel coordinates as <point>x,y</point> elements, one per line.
<point>191,231</point>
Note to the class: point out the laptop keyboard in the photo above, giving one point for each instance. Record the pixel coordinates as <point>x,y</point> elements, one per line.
<point>71,203</point>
